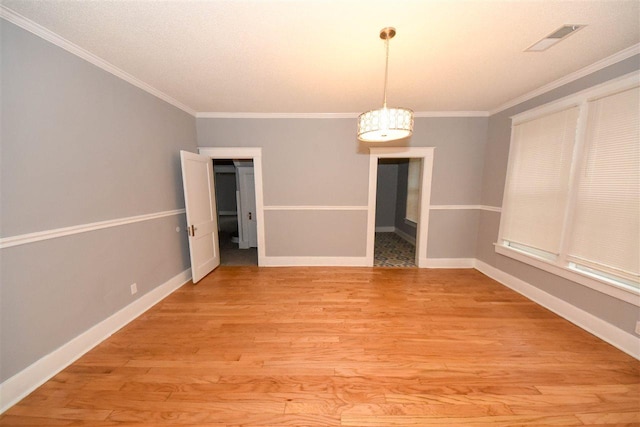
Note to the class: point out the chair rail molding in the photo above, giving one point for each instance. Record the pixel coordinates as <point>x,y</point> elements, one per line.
<point>38,236</point>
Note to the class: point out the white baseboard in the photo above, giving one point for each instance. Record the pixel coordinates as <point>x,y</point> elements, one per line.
<point>20,385</point>
<point>313,261</point>
<point>448,262</point>
<point>406,236</point>
<point>618,338</point>
<point>24,382</point>
<point>282,261</point>
<point>400,233</point>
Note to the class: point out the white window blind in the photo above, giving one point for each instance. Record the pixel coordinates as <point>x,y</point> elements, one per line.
<point>538,184</point>
<point>572,196</point>
<point>605,232</point>
<point>413,190</point>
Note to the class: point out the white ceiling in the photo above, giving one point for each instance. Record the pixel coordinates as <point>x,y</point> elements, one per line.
<point>325,56</point>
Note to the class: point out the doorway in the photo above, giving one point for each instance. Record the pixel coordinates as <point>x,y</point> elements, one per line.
<point>236,210</point>
<point>398,188</point>
<point>423,197</point>
<point>244,157</point>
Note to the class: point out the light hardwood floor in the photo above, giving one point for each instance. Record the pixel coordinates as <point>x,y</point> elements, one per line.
<point>253,346</point>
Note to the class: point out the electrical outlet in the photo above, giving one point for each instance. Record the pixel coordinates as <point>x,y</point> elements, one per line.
<point>134,289</point>
<point>638,327</point>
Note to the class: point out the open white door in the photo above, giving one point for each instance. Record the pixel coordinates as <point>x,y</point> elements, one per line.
<point>202,221</point>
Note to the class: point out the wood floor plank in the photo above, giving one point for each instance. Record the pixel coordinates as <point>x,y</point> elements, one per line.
<point>259,347</point>
<point>493,421</point>
<point>63,413</point>
<point>612,417</point>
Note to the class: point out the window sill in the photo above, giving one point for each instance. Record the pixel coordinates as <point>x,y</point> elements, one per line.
<point>619,291</point>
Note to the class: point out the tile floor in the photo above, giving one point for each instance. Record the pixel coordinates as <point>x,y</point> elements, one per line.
<point>392,250</point>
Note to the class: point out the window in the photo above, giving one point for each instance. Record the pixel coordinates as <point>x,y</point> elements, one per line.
<point>572,196</point>
<point>606,224</point>
<point>538,185</point>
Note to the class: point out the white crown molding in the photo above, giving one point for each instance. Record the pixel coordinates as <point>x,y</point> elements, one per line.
<point>620,339</point>
<point>596,66</point>
<point>48,35</point>
<point>38,236</point>
<point>617,84</point>
<point>24,382</point>
<point>419,114</point>
<point>230,115</point>
<point>451,114</point>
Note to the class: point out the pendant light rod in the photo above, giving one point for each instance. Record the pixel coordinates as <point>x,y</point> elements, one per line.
<point>386,34</point>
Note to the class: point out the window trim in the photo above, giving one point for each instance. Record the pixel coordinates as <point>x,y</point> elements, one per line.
<point>598,283</point>
<point>561,267</point>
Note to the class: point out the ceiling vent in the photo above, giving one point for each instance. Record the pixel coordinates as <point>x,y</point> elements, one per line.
<point>553,38</point>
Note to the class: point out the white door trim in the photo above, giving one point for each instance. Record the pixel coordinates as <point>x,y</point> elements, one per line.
<point>255,154</point>
<point>422,232</point>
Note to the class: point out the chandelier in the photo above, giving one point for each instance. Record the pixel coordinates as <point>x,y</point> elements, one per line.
<point>385,124</point>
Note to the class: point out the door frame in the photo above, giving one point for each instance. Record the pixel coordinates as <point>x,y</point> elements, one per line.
<point>246,153</point>
<point>422,231</point>
<point>243,183</point>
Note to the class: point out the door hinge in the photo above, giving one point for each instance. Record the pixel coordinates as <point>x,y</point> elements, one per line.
<point>249,215</point>
<point>191,231</point>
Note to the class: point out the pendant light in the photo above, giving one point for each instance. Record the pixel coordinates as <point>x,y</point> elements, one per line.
<point>385,124</point>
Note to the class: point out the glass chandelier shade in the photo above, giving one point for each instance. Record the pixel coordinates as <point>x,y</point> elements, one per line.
<point>385,124</point>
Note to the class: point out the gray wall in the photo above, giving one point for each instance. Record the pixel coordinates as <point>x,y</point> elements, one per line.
<point>80,145</point>
<point>308,236</point>
<point>457,180</point>
<point>319,162</point>
<point>305,162</point>
<point>386,193</point>
<point>226,192</point>
<point>401,206</point>
<point>612,310</point>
